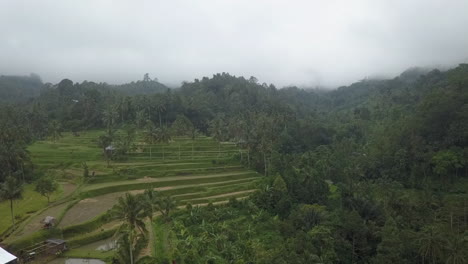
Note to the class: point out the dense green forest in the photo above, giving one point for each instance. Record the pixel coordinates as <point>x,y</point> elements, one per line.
<point>374,172</point>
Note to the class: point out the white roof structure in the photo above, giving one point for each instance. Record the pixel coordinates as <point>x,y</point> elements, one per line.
<point>5,256</point>
<point>110,147</point>
<point>48,220</point>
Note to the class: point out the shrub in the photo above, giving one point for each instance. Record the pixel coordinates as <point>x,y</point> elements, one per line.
<point>86,227</point>
<point>88,239</point>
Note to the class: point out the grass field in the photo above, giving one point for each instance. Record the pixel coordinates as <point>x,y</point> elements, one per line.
<point>196,171</point>
<point>31,202</point>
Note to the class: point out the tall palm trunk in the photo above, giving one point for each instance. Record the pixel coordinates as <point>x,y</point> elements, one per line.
<point>265,163</point>
<point>130,244</point>
<point>22,172</point>
<point>160,122</point>
<point>11,209</point>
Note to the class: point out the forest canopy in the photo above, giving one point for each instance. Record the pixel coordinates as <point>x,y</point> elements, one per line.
<point>374,172</point>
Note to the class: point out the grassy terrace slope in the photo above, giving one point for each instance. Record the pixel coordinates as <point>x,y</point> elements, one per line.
<point>192,171</point>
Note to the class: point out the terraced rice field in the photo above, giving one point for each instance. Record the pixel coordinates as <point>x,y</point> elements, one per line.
<point>196,171</point>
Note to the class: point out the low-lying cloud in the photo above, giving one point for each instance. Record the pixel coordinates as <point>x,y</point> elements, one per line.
<point>306,43</point>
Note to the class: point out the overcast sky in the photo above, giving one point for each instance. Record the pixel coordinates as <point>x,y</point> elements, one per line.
<point>304,43</point>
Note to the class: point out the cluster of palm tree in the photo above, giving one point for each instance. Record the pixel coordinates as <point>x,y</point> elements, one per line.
<point>132,210</point>
<point>436,244</point>
<point>154,135</point>
<point>54,130</point>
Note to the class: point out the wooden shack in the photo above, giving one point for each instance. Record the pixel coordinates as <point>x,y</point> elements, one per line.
<point>48,222</point>
<point>45,248</point>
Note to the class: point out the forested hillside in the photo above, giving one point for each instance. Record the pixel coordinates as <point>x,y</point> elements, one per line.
<point>18,89</point>
<point>375,172</point>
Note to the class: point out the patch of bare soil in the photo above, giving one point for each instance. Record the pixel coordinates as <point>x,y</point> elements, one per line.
<point>89,208</point>
<point>68,188</point>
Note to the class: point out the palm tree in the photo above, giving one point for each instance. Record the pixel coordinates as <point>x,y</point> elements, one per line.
<point>55,130</point>
<point>140,118</point>
<point>457,249</point>
<point>14,157</point>
<point>125,256</point>
<point>163,136</point>
<point>431,244</point>
<point>109,117</point>
<point>11,189</point>
<point>216,128</point>
<point>130,210</point>
<point>151,135</point>
<point>160,108</point>
<point>151,203</point>
<point>166,205</point>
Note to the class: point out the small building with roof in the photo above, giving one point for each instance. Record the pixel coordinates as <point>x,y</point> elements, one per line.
<point>7,258</point>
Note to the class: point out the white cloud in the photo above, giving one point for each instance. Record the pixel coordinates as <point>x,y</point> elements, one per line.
<point>282,42</point>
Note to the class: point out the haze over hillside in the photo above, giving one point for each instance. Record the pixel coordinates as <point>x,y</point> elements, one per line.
<point>303,43</point>
<point>234,131</point>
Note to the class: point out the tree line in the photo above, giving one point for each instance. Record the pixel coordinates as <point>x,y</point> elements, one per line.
<point>370,173</point>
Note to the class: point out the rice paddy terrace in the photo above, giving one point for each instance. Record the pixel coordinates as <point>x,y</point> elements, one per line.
<point>196,171</point>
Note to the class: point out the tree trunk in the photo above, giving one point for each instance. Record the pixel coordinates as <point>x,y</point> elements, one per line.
<point>248,158</point>
<point>163,153</point>
<point>22,172</point>
<point>130,244</point>
<point>265,163</point>
<point>160,122</point>
<point>11,209</point>
<point>192,150</point>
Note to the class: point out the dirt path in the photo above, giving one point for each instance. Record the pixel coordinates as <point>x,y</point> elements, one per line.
<point>68,188</point>
<point>228,194</point>
<point>149,179</point>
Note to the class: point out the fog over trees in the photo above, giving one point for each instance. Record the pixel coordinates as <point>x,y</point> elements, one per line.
<point>234,131</point>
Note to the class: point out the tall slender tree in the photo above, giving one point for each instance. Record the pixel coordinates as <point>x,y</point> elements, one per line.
<point>55,130</point>
<point>150,135</point>
<point>11,189</point>
<point>109,117</point>
<point>431,244</point>
<point>130,210</point>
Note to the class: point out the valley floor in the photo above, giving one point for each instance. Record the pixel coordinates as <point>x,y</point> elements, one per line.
<point>198,172</point>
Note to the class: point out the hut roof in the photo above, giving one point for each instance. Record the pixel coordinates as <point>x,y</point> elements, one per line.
<point>110,147</point>
<point>6,256</point>
<point>49,220</point>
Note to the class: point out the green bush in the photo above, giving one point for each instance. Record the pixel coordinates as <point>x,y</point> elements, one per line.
<point>86,227</point>
<point>87,239</point>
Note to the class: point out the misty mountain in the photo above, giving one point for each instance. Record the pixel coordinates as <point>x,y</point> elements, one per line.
<point>18,89</point>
